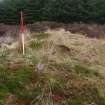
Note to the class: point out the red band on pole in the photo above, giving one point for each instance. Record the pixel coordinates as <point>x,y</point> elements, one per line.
<point>22,23</point>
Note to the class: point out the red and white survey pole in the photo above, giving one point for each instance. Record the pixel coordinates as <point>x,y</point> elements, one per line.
<point>22,33</point>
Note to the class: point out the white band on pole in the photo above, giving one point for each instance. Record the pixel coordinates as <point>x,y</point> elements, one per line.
<point>23,43</point>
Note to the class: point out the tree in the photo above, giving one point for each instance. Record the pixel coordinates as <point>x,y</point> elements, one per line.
<point>53,10</point>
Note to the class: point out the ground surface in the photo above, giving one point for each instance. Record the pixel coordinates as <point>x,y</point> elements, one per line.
<point>59,68</point>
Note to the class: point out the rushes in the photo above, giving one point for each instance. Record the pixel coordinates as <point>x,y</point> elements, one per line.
<point>35,44</point>
<point>50,85</point>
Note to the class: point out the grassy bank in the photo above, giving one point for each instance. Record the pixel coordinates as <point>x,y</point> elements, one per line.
<point>59,68</point>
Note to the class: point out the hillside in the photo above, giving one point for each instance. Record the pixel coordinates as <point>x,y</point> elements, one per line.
<point>59,68</point>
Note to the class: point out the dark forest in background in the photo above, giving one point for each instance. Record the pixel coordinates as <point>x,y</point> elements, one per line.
<point>66,11</point>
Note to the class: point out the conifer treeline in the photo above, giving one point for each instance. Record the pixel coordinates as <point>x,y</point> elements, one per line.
<point>52,10</point>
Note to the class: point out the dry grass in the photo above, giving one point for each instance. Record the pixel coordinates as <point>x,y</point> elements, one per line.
<point>60,68</point>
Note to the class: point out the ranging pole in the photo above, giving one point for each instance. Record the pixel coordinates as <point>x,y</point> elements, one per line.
<point>22,33</point>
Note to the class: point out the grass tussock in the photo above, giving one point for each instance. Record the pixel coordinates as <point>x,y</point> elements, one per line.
<point>57,72</point>
<point>37,88</point>
<point>35,44</point>
<point>41,35</point>
<point>86,71</point>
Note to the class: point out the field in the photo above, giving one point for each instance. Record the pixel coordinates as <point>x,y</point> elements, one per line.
<point>59,68</point>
